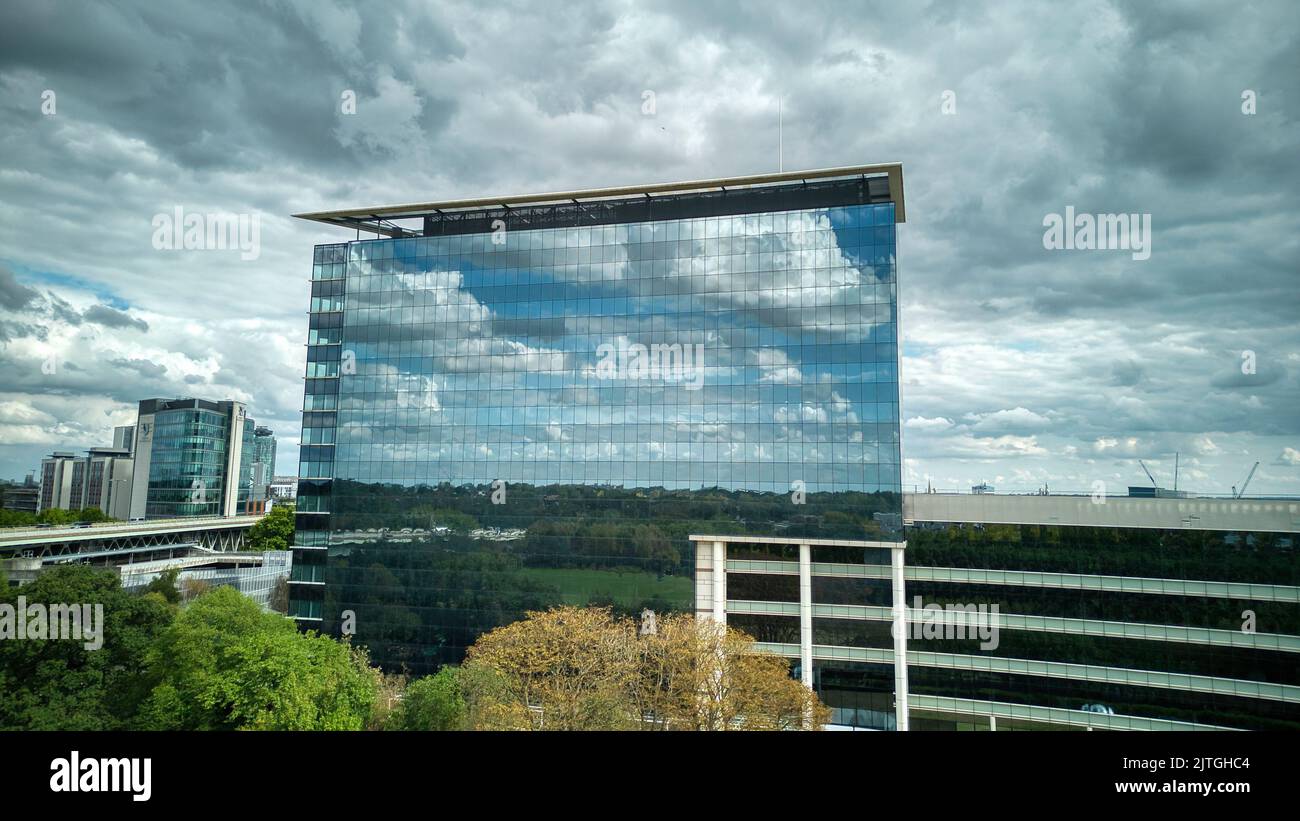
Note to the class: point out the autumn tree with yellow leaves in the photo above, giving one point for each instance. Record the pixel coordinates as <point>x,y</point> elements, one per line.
<point>573,668</point>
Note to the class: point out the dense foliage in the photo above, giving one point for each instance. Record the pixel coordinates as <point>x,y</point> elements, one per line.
<point>62,685</point>
<point>221,662</point>
<point>227,664</point>
<point>274,531</point>
<point>431,703</point>
<point>165,585</point>
<point>52,516</point>
<point>573,668</point>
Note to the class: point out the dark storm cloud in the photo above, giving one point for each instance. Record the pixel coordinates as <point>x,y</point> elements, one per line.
<point>18,298</point>
<point>1127,373</point>
<point>62,310</point>
<point>1261,377</point>
<point>14,296</point>
<point>216,86</point>
<point>1052,365</point>
<point>142,367</point>
<point>113,318</point>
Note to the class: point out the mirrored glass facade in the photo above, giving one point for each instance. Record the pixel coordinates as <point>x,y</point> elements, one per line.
<point>1199,627</point>
<point>508,413</point>
<point>190,453</point>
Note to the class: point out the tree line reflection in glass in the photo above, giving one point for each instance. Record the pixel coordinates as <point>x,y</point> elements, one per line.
<point>532,417</point>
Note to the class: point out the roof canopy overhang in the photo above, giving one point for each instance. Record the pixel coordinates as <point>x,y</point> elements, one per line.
<point>382,219</point>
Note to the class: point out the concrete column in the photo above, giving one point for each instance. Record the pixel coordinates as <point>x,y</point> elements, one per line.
<point>143,444</point>
<point>805,615</point>
<point>900,636</point>
<point>230,494</point>
<point>720,582</point>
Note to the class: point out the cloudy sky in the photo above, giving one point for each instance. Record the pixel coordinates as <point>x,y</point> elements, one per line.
<point>1022,366</point>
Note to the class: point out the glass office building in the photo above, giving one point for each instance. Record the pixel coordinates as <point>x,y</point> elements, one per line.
<point>518,402</point>
<point>187,472</point>
<point>1135,613</point>
<point>192,458</point>
<point>263,456</point>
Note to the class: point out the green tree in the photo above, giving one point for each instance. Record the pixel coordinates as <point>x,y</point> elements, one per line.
<point>92,514</point>
<point>226,664</point>
<point>431,703</point>
<point>165,585</point>
<point>63,684</point>
<point>274,531</point>
<point>55,516</point>
<point>52,516</point>
<point>17,518</point>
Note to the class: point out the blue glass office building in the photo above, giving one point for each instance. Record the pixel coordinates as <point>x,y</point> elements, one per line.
<point>517,402</point>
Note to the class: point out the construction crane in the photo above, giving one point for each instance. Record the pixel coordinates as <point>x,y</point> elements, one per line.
<point>1148,473</point>
<point>1237,494</point>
